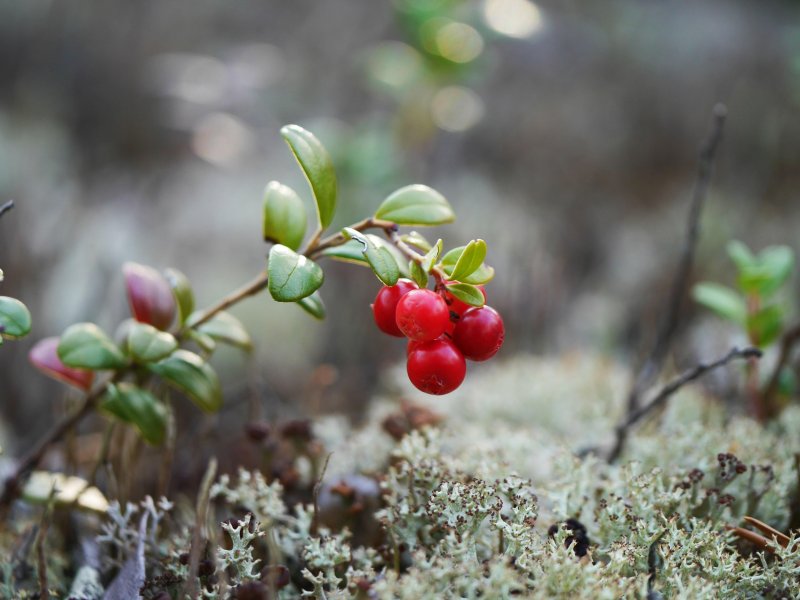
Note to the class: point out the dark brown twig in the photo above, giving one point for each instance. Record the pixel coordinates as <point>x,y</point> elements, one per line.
<point>652,366</point>
<point>4,208</point>
<point>669,389</point>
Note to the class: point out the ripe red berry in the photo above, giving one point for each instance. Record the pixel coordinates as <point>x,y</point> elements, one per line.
<point>436,367</point>
<point>385,305</point>
<point>422,315</point>
<point>479,333</point>
<point>459,307</point>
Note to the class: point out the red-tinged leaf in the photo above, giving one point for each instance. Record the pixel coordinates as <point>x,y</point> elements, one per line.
<point>149,295</point>
<point>44,356</point>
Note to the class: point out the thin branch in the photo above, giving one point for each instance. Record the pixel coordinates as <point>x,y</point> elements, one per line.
<point>200,524</point>
<point>788,342</point>
<point>251,288</point>
<point>669,389</point>
<point>13,483</point>
<point>655,361</point>
<point>6,207</point>
<point>317,487</point>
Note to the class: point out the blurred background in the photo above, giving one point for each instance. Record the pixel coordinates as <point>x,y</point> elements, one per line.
<point>563,133</point>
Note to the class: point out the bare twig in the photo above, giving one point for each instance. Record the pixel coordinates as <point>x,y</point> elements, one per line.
<point>41,559</point>
<point>788,342</point>
<point>200,524</point>
<point>669,389</point>
<point>317,487</point>
<point>655,361</point>
<point>6,207</point>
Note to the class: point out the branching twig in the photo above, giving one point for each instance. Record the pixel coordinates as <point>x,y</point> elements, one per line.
<point>654,362</point>
<point>668,390</point>
<point>4,208</point>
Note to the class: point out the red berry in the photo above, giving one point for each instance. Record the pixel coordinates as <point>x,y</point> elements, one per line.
<point>436,367</point>
<point>422,315</point>
<point>385,305</point>
<point>479,333</point>
<point>459,307</point>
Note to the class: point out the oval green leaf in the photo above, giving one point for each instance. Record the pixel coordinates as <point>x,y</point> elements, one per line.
<point>417,240</point>
<point>182,290</point>
<point>318,168</point>
<point>722,300</point>
<point>467,293</point>
<point>313,305</point>
<point>416,205</point>
<point>148,344</point>
<point>379,258</point>
<point>206,342</point>
<point>770,270</point>
<point>740,254</point>
<point>470,260</point>
<point>226,328</point>
<point>483,274</point>
<point>292,276</point>
<point>188,373</point>
<point>86,346</point>
<point>15,318</point>
<point>765,325</point>
<point>139,408</point>
<point>432,256</point>
<point>418,274</point>
<point>352,252</point>
<point>284,216</point>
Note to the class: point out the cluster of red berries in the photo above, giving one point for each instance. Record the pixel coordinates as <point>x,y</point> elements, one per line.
<point>442,332</point>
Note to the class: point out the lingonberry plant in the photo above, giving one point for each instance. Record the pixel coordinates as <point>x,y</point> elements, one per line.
<point>167,343</point>
<point>444,326</point>
<point>757,306</point>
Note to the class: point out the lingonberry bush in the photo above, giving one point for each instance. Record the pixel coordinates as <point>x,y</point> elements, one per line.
<point>759,307</point>
<point>167,342</point>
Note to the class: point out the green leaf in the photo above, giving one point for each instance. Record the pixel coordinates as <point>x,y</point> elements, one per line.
<point>188,373</point>
<point>318,168</point>
<point>418,274</point>
<point>467,293</point>
<point>483,274</point>
<point>470,260</point>
<point>225,328</point>
<point>284,216</point>
<point>291,275</point>
<point>765,325</point>
<point>182,290</point>
<point>771,269</point>
<point>722,300</point>
<point>417,240</point>
<point>139,408</point>
<point>432,256</point>
<point>206,342</point>
<point>352,252</point>
<point>86,346</point>
<point>416,205</point>
<point>740,254</point>
<point>15,318</point>
<point>381,261</point>
<point>148,344</point>
<point>313,305</point>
